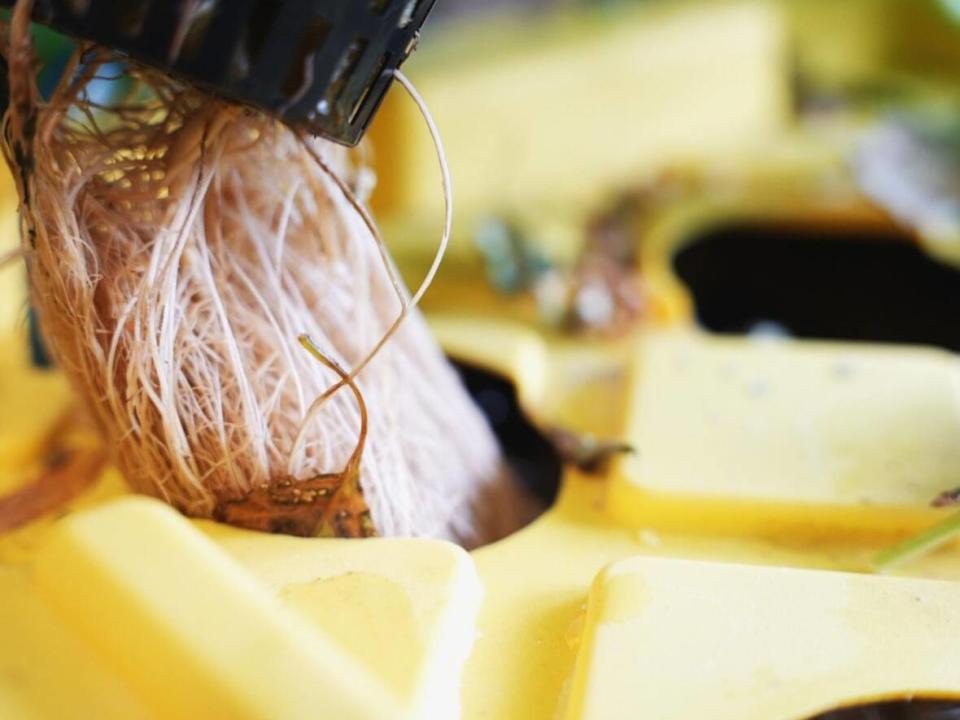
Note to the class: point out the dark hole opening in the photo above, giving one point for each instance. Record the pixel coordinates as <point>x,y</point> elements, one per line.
<point>530,454</point>
<point>897,710</point>
<point>822,283</point>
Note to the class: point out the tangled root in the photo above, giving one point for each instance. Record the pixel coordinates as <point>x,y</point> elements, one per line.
<point>177,247</point>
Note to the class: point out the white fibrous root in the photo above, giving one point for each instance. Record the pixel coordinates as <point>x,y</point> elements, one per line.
<point>178,246</point>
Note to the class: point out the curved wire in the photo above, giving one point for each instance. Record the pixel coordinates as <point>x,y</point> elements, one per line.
<point>428,279</point>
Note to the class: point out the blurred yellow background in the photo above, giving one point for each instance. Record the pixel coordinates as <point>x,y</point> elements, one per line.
<point>632,179</point>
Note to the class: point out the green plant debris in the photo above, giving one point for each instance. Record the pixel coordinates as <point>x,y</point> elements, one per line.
<point>919,545</point>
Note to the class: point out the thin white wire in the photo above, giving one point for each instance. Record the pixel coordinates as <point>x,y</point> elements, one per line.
<point>428,279</point>
<point>447,185</point>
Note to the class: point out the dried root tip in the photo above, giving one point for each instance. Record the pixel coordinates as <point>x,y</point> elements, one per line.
<point>329,505</point>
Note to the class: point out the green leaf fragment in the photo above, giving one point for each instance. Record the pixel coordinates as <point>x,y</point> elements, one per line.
<point>919,545</point>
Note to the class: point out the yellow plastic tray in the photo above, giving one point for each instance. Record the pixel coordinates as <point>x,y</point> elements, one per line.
<point>722,572</point>
<point>121,608</point>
